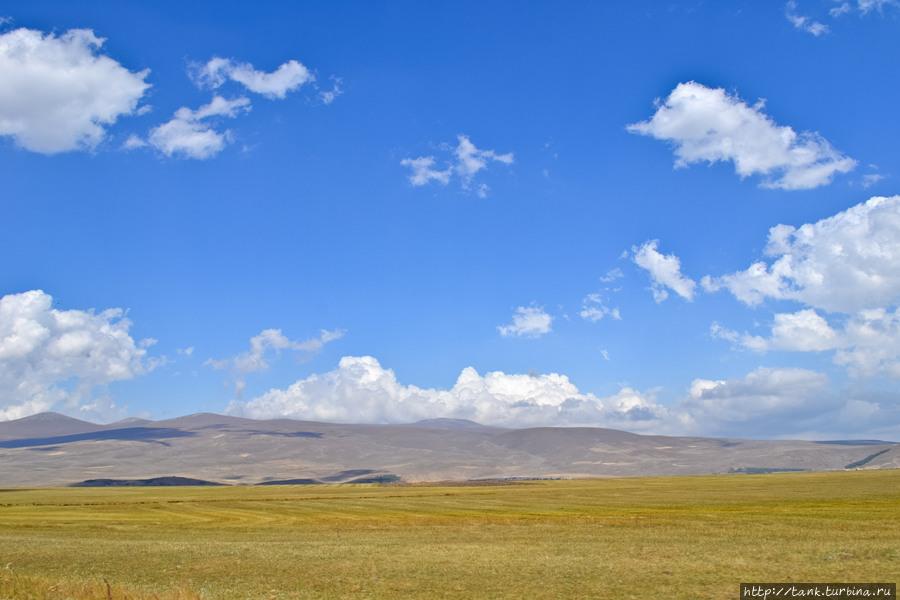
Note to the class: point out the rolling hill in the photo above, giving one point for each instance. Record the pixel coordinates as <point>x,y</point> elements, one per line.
<point>51,450</point>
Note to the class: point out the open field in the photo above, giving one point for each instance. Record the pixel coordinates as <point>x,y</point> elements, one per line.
<point>674,537</point>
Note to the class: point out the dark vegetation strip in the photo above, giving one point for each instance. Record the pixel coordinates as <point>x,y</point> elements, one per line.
<point>866,460</point>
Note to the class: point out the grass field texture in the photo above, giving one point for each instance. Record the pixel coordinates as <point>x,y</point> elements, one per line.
<point>674,537</point>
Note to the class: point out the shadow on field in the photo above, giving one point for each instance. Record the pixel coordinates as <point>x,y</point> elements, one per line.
<point>153,435</point>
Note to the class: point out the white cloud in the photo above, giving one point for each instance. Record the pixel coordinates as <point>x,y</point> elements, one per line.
<point>60,93</point>
<point>664,270</point>
<point>845,263</point>
<point>361,390</point>
<point>765,401</point>
<point>803,23</point>
<point>870,343</point>
<point>802,331</point>
<point>709,125</point>
<point>188,351</point>
<point>527,321</point>
<point>288,77</point>
<point>870,179</point>
<point>867,6</point>
<point>467,161</point>
<point>612,275</point>
<point>470,160</point>
<point>594,308</point>
<point>52,359</point>
<point>841,9</point>
<point>423,171</point>
<point>867,344</point>
<point>133,142</point>
<point>263,345</point>
<point>329,96</point>
<point>189,134</point>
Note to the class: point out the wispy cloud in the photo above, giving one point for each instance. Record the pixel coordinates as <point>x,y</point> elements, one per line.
<point>802,22</point>
<point>466,163</point>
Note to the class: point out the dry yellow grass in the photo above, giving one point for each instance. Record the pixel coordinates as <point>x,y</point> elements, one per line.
<point>684,537</point>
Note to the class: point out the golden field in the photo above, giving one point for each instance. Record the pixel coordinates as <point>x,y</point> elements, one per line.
<point>666,537</point>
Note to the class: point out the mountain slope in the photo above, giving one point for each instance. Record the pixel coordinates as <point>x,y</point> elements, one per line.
<point>57,450</point>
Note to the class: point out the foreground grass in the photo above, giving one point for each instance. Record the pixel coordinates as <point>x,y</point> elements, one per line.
<point>684,537</point>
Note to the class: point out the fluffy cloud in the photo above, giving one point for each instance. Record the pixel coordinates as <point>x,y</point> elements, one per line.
<point>265,344</point>
<point>189,133</point>
<point>288,77</point>
<point>802,331</point>
<point>59,93</point>
<point>845,263</point>
<point>709,125</point>
<point>467,161</point>
<point>867,343</point>
<point>664,270</point>
<point>802,22</point>
<point>765,401</point>
<point>527,321</point>
<point>51,358</point>
<point>361,390</point>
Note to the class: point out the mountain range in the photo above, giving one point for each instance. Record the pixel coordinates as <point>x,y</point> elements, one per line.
<point>51,449</point>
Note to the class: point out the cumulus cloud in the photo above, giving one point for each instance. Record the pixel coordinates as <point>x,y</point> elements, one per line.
<point>265,344</point>
<point>867,343</point>
<point>709,125</point>
<point>802,22</point>
<point>801,331</point>
<point>844,263</point>
<point>189,134</point>
<point>361,390</point>
<point>664,270</point>
<point>288,77</point>
<point>57,359</point>
<point>466,162</point>
<point>528,321</point>
<point>766,401</point>
<point>59,92</point>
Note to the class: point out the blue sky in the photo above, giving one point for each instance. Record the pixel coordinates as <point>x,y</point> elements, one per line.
<point>303,216</point>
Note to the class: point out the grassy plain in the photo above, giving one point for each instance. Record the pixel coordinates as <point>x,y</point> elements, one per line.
<point>673,537</point>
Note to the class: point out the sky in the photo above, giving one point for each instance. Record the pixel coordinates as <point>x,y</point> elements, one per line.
<point>673,218</point>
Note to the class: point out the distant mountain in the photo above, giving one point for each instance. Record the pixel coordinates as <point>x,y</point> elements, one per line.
<point>130,422</point>
<point>44,425</point>
<point>451,424</point>
<point>52,449</point>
